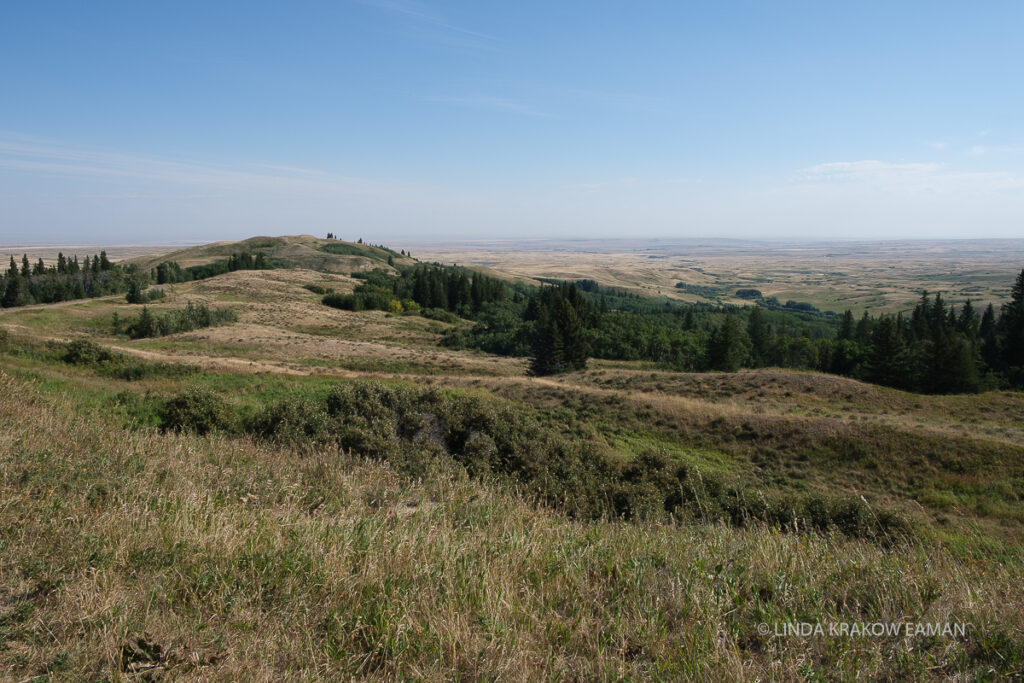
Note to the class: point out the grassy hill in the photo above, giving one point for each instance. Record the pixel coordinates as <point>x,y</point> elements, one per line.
<point>370,504</point>
<point>298,251</point>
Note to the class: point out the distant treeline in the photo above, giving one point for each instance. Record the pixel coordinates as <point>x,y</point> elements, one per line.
<point>65,280</point>
<point>937,349</point>
<point>170,272</point>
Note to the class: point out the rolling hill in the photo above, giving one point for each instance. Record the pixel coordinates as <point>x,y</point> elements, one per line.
<point>297,251</point>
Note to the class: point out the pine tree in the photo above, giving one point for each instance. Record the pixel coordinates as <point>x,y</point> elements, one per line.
<point>757,331</point>
<point>863,332</point>
<point>547,345</point>
<point>846,326</point>
<point>967,322</point>
<point>574,348</point>
<point>727,346</point>
<point>887,360</point>
<point>989,338</point>
<point>1011,332</point>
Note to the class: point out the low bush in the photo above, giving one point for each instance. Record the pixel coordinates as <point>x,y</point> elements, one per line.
<point>440,314</point>
<point>86,352</point>
<point>197,410</point>
<point>496,440</point>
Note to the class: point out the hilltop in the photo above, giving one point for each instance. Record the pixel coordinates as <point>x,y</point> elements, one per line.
<point>297,251</point>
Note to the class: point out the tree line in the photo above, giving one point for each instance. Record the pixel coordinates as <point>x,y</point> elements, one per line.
<point>423,287</point>
<point>938,348</point>
<point>64,280</point>
<point>170,272</point>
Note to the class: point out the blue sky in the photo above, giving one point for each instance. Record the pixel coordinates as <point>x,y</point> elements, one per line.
<point>397,120</point>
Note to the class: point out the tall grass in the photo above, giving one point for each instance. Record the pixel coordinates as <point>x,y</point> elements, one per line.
<point>124,553</point>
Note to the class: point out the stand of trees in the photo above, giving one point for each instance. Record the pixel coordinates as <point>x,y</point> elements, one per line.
<point>65,280</point>
<point>421,288</point>
<point>192,317</point>
<point>937,349</point>
<point>170,272</point>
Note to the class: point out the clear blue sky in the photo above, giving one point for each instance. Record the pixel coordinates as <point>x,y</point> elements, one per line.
<point>397,120</point>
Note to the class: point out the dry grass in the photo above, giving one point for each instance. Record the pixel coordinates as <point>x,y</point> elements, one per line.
<point>247,562</point>
<point>881,276</point>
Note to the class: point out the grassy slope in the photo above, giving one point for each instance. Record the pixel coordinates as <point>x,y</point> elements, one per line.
<point>259,561</point>
<point>301,251</point>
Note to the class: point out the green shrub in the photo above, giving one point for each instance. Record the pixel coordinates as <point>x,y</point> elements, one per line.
<point>196,410</point>
<point>440,314</point>
<point>86,352</point>
<point>293,421</point>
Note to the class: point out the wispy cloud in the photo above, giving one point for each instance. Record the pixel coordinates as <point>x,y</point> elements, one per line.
<point>41,157</point>
<point>910,177</point>
<point>487,102</point>
<point>432,24</point>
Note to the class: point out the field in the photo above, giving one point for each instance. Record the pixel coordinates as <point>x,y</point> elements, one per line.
<point>878,276</point>
<point>299,541</point>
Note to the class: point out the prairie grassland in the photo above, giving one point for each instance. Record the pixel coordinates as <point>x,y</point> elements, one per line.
<point>880,276</point>
<point>128,552</point>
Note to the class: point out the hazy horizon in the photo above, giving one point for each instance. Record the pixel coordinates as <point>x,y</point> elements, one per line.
<point>393,119</point>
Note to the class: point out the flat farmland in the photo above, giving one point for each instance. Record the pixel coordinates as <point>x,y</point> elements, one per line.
<point>878,276</point>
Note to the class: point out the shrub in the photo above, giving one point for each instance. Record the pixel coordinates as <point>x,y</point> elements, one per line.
<point>196,410</point>
<point>440,314</point>
<point>86,352</point>
<point>293,421</point>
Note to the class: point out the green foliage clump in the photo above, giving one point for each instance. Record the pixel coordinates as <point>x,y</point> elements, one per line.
<point>170,272</point>
<point>89,354</point>
<point>190,318</point>
<point>495,440</point>
<point>197,410</point>
<point>317,289</point>
<point>440,314</point>
<point>86,352</point>
<point>138,294</point>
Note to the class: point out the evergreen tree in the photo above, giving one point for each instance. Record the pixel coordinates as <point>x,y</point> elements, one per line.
<point>863,333</point>
<point>968,321</point>
<point>1011,332</point>
<point>989,339</point>
<point>757,332</point>
<point>846,326</point>
<point>728,345</point>
<point>887,360</point>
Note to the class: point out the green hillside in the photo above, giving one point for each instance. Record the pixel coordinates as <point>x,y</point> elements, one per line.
<point>297,251</point>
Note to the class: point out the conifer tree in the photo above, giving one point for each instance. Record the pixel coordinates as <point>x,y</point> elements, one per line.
<point>887,362</point>
<point>727,346</point>
<point>757,331</point>
<point>846,325</point>
<point>1011,332</point>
